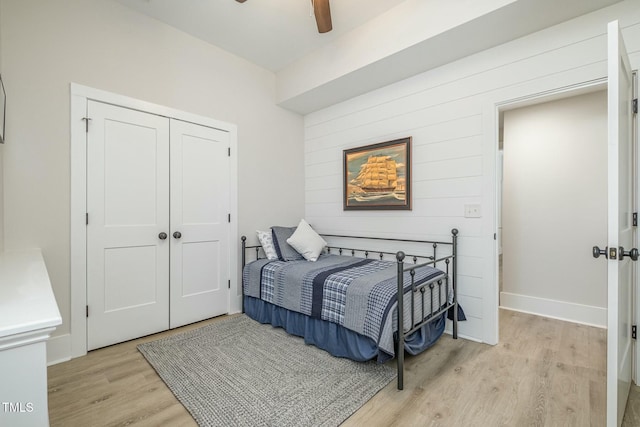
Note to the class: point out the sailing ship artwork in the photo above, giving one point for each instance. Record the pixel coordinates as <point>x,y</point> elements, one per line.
<point>378,176</point>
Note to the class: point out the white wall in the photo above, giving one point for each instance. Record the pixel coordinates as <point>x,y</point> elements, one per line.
<point>102,44</point>
<point>1,161</point>
<point>451,114</point>
<point>555,181</point>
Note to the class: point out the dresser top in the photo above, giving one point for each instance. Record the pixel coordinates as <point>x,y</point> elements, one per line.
<point>27,302</point>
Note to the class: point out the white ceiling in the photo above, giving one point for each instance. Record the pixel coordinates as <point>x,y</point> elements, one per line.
<point>374,43</point>
<point>269,33</point>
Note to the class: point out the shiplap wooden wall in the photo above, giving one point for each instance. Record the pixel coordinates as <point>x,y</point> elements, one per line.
<point>450,112</point>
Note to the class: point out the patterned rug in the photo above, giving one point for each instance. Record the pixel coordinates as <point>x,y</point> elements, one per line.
<point>238,372</point>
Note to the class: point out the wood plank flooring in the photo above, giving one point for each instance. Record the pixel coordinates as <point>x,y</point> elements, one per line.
<point>544,372</point>
<point>632,414</point>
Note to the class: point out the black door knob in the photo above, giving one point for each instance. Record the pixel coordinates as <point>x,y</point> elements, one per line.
<point>597,252</point>
<point>177,235</point>
<point>162,235</point>
<point>633,254</point>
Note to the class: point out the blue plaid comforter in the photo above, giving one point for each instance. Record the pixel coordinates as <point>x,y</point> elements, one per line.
<point>358,294</point>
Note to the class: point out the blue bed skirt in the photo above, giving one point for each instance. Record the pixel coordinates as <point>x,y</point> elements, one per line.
<point>335,339</point>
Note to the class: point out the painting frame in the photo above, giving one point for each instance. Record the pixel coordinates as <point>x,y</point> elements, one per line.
<point>378,176</point>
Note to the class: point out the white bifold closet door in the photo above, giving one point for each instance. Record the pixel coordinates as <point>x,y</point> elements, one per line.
<point>157,232</point>
<point>199,223</point>
<point>128,207</point>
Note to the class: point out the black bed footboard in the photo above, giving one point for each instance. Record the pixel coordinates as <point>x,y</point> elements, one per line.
<point>425,300</point>
<point>422,295</point>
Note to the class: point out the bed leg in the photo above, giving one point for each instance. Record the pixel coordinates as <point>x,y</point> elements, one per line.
<point>454,274</point>
<point>400,349</point>
<point>455,321</point>
<point>244,261</point>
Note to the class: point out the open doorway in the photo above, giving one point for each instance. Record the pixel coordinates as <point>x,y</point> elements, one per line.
<point>622,233</point>
<point>553,207</point>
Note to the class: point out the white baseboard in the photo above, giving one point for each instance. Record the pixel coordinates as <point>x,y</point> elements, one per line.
<point>58,349</point>
<point>449,331</point>
<point>570,312</point>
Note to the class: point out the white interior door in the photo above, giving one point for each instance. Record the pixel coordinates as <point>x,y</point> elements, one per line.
<point>128,208</point>
<point>199,223</point>
<point>620,230</point>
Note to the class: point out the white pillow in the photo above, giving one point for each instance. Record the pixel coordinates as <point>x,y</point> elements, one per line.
<point>307,242</point>
<point>267,244</point>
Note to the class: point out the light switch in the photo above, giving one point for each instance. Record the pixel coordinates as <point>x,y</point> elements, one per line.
<point>472,211</point>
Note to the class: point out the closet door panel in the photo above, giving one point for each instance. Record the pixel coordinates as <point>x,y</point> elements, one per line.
<point>199,213</point>
<point>127,206</point>
<point>200,274</point>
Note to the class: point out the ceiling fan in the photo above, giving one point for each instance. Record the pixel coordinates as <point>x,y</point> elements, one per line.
<point>322,13</point>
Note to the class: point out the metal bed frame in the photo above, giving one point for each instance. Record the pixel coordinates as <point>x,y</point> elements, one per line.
<point>418,291</point>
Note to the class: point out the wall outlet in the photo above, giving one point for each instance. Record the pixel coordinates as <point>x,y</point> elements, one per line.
<point>472,211</point>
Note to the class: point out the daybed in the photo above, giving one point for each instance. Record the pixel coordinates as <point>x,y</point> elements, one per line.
<point>345,300</point>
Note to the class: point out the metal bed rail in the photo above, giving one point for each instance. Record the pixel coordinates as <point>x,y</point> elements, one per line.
<point>450,276</point>
<point>448,280</point>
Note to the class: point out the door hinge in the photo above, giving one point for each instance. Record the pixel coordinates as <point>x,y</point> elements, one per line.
<point>229,151</point>
<point>229,283</point>
<point>634,331</point>
<point>87,311</point>
<point>86,218</point>
<point>229,217</point>
<point>635,106</point>
<point>86,123</point>
<point>635,219</point>
<point>495,236</point>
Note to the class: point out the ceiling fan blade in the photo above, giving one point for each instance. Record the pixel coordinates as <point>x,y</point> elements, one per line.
<point>323,15</point>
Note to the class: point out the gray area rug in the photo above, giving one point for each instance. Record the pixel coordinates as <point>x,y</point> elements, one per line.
<point>238,372</point>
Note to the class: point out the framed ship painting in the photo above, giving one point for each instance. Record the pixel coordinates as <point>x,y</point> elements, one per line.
<point>378,176</point>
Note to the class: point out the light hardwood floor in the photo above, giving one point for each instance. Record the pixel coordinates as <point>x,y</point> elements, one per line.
<point>632,414</point>
<point>544,372</point>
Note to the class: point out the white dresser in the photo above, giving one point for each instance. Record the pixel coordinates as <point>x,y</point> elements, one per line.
<point>28,316</point>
